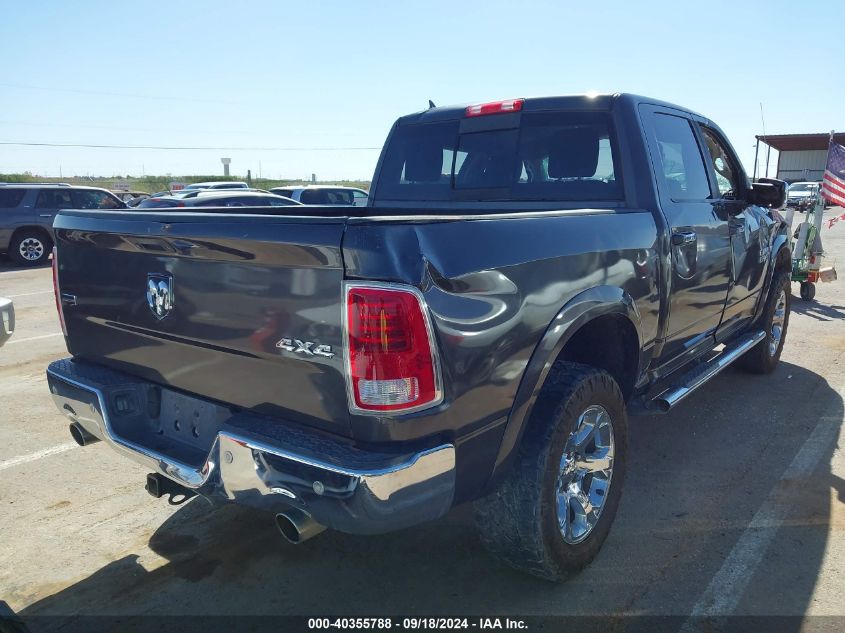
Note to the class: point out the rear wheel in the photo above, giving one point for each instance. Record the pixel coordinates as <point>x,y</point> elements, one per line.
<point>30,248</point>
<point>552,513</point>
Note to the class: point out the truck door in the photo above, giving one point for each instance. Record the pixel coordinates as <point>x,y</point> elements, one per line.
<point>699,235</point>
<point>749,231</point>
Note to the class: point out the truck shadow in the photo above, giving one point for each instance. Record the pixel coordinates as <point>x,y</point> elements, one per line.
<point>696,477</point>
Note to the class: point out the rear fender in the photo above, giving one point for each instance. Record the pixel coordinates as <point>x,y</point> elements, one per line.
<point>580,310</point>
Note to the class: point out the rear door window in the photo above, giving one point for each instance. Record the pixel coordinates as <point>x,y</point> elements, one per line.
<point>337,197</point>
<point>11,198</point>
<point>547,156</point>
<point>54,199</point>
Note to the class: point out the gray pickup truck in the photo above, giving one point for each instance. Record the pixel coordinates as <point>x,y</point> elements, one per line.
<point>526,273</point>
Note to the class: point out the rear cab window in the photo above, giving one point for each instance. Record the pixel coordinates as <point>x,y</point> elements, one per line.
<point>556,156</point>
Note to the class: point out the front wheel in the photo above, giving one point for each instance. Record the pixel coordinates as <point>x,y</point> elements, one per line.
<point>552,513</point>
<point>764,357</point>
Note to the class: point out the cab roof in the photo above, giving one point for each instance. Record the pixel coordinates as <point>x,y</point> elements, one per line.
<point>581,102</point>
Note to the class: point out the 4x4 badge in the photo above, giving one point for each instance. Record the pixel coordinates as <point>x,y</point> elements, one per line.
<point>160,294</point>
<point>305,347</point>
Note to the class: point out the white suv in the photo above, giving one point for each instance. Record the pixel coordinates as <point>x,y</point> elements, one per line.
<point>325,194</point>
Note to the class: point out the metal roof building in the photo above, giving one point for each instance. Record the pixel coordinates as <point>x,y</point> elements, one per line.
<point>800,156</point>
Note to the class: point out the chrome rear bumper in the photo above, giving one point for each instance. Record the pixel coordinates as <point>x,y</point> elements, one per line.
<point>260,461</point>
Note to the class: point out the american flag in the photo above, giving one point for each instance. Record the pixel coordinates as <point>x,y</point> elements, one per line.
<point>833,185</point>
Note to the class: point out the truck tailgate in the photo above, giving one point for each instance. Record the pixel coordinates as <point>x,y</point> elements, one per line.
<point>201,302</point>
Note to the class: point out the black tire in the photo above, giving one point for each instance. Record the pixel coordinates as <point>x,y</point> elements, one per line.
<point>808,291</point>
<point>764,357</point>
<point>518,522</point>
<point>30,248</point>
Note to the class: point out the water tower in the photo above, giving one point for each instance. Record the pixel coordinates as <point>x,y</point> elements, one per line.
<point>226,162</point>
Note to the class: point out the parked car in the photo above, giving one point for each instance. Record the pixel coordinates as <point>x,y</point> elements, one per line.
<point>219,199</point>
<point>799,192</point>
<point>128,196</point>
<point>235,184</point>
<point>325,194</point>
<point>528,272</point>
<point>27,211</point>
<point>193,193</point>
<point>7,319</point>
<point>134,202</point>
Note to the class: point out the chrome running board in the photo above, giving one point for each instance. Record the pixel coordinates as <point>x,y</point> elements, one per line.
<point>684,385</point>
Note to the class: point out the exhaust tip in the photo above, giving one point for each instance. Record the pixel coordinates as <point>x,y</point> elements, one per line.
<point>81,436</point>
<point>663,405</point>
<point>297,526</point>
<point>287,528</point>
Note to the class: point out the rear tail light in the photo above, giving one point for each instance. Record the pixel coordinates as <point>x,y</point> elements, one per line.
<point>56,291</point>
<point>391,361</point>
<point>494,107</point>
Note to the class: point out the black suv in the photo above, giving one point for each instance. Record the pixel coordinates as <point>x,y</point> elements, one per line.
<point>27,210</point>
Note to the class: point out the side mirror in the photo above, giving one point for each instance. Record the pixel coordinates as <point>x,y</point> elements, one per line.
<point>768,192</point>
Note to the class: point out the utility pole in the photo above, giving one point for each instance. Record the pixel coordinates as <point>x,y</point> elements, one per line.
<point>756,151</point>
<point>765,140</point>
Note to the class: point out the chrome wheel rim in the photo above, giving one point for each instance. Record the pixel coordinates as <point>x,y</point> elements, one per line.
<point>586,469</point>
<point>778,321</point>
<point>31,249</point>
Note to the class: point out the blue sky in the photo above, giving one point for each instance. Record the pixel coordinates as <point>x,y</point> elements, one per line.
<point>336,74</point>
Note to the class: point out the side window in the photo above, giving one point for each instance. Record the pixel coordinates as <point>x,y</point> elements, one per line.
<point>11,198</point>
<point>339,197</point>
<point>208,202</point>
<point>84,199</point>
<point>727,176</point>
<point>313,196</point>
<point>681,164</point>
<point>54,199</point>
<point>360,198</point>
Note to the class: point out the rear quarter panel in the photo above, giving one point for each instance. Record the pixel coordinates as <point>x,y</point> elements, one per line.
<point>493,286</point>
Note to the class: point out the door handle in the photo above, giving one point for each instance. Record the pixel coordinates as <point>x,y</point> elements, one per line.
<point>682,238</point>
<point>46,215</point>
